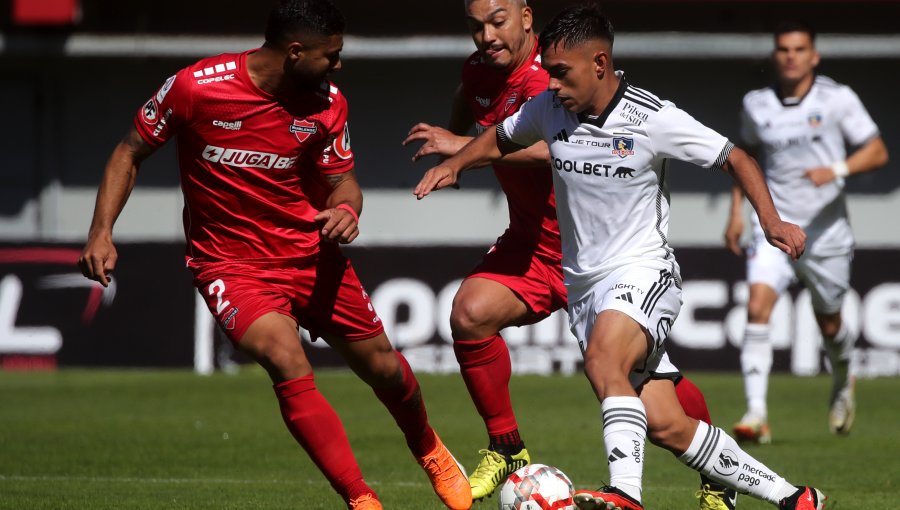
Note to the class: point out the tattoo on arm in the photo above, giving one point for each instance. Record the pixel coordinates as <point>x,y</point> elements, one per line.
<point>335,180</point>
<point>137,145</point>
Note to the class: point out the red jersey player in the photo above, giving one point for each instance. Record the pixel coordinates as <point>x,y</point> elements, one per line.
<point>520,280</point>
<point>267,175</point>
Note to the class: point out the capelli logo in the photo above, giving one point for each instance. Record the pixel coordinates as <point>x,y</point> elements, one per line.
<point>231,126</point>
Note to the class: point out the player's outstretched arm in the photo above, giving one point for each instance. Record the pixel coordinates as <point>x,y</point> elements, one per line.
<point>483,148</point>
<point>98,259</point>
<point>447,142</point>
<point>785,236</point>
<point>340,221</point>
<point>871,156</point>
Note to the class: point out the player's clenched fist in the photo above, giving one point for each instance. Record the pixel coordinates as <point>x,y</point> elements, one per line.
<point>787,237</point>
<point>98,259</point>
<point>339,224</point>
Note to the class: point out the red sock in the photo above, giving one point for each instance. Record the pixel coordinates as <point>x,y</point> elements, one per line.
<point>314,424</point>
<point>405,404</point>
<point>691,399</point>
<point>486,369</point>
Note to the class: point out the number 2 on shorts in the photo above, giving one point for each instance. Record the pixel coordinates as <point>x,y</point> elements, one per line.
<point>218,287</point>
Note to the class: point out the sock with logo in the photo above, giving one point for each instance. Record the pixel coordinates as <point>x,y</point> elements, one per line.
<point>486,369</point>
<point>714,454</point>
<point>756,363</point>
<point>839,349</point>
<point>694,404</point>
<point>404,402</point>
<point>314,424</point>
<point>624,434</point>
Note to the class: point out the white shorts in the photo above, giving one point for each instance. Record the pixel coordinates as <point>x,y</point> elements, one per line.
<point>649,296</point>
<point>827,277</point>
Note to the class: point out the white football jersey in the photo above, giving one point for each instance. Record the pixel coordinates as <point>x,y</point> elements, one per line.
<point>792,136</point>
<point>609,173</point>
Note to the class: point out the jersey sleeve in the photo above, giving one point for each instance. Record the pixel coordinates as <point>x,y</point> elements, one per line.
<point>523,127</point>
<point>749,137</point>
<point>676,135</point>
<point>856,125</point>
<point>160,118</point>
<point>334,155</point>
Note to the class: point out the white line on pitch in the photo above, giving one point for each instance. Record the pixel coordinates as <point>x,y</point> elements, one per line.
<point>126,479</point>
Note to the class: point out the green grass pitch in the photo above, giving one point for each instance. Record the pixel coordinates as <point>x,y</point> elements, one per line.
<point>169,439</point>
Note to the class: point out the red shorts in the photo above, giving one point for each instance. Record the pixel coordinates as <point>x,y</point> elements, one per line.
<point>324,296</point>
<point>537,280</point>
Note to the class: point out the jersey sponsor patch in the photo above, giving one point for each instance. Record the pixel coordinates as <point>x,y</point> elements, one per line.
<point>150,112</point>
<point>162,122</point>
<point>165,89</point>
<point>303,129</point>
<point>511,101</point>
<point>216,69</point>
<point>224,124</point>
<point>247,159</point>
<point>342,143</point>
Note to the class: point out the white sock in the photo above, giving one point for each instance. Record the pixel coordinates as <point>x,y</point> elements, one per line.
<point>839,349</point>
<point>716,455</point>
<point>756,363</point>
<point>624,434</point>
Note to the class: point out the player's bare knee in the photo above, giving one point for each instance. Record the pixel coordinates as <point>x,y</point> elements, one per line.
<point>758,312</point>
<point>599,371</point>
<point>381,370</point>
<point>470,318</point>
<point>829,325</point>
<point>281,355</point>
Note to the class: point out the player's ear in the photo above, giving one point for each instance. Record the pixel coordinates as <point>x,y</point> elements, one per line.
<point>601,62</point>
<point>527,18</point>
<point>816,58</point>
<point>295,50</point>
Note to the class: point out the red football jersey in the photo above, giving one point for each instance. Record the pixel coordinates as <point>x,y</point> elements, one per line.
<point>493,96</point>
<point>246,159</point>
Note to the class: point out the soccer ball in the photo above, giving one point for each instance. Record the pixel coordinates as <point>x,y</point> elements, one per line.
<point>537,487</point>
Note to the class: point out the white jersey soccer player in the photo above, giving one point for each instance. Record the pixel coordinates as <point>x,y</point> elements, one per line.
<point>609,172</point>
<point>609,146</point>
<point>610,177</point>
<point>799,129</point>
<point>796,134</point>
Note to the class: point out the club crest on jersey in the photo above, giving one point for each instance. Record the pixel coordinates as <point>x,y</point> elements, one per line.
<point>303,129</point>
<point>511,101</point>
<point>150,112</point>
<point>623,147</point>
<point>815,119</point>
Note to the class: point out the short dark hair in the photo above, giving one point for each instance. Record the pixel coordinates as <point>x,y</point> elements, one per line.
<point>293,17</point>
<point>575,25</point>
<point>786,27</point>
